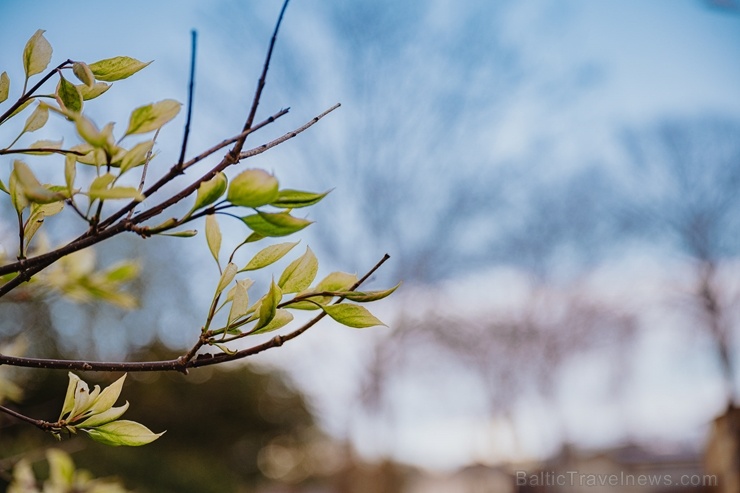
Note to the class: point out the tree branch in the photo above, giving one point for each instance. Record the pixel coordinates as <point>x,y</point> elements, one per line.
<point>181,364</point>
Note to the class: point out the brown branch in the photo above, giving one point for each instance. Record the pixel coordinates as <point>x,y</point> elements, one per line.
<point>38,423</point>
<point>25,97</point>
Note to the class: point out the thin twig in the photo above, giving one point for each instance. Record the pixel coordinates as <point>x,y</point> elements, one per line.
<point>191,87</point>
<point>26,96</point>
<point>237,149</point>
<point>36,422</point>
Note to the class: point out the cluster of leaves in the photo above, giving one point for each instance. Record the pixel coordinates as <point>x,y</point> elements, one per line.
<point>93,413</point>
<point>63,478</point>
<point>253,197</point>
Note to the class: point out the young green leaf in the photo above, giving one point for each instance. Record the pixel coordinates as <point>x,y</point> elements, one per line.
<point>37,119</point>
<point>22,107</point>
<point>268,255</point>
<point>61,468</point>
<point>69,398</point>
<point>92,92</point>
<point>117,68</point>
<point>36,54</point>
<point>152,116</point>
<point>240,301</point>
<point>253,188</point>
<point>227,277</point>
<point>300,273</point>
<point>293,199</point>
<point>4,86</point>
<point>89,132</point>
<point>70,171</point>
<point>337,281</point>
<point>213,236</point>
<point>210,191</point>
<point>351,315</point>
<point>107,397</point>
<point>83,73</point>
<point>47,145</point>
<point>36,219</point>
<point>275,223</point>
<point>136,156</point>
<point>104,417</point>
<point>68,96</point>
<point>268,306</point>
<point>367,296</point>
<point>3,188</point>
<point>30,186</point>
<point>122,432</point>
<point>281,319</point>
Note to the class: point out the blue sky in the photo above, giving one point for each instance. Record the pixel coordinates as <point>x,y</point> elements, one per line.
<point>436,96</point>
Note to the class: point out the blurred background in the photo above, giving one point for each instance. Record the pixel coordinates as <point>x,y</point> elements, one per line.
<point>556,184</point>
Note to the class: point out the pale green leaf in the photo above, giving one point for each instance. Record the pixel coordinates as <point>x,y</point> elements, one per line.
<point>68,96</point>
<point>124,271</point>
<point>152,116</point>
<point>70,171</point>
<point>61,468</point>
<point>268,306</point>
<point>83,73</point>
<point>300,273</point>
<point>253,188</point>
<point>107,397</point>
<point>4,86</point>
<point>93,92</point>
<point>227,276</point>
<point>210,191</point>
<point>117,68</point>
<point>4,188</point>
<point>45,147</point>
<point>136,156</point>
<point>36,219</point>
<point>275,224</point>
<point>293,199</point>
<point>37,119</point>
<point>22,107</point>
<point>367,296</point>
<point>281,319</point>
<point>36,54</point>
<point>122,432</point>
<point>69,398</point>
<point>102,182</point>
<point>352,315</point>
<point>269,255</point>
<point>90,132</point>
<point>114,193</point>
<point>188,233</point>
<point>337,281</point>
<point>17,197</point>
<point>240,301</point>
<point>104,417</point>
<point>213,236</point>
<point>30,186</point>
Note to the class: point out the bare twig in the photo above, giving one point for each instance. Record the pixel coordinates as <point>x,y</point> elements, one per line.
<point>191,87</point>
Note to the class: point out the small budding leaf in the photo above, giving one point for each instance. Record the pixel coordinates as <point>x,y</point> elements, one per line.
<point>83,73</point>
<point>210,191</point>
<point>293,199</point>
<point>37,119</point>
<point>117,68</point>
<point>68,96</point>
<point>122,432</point>
<point>268,306</point>
<point>368,296</point>
<point>4,86</point>
<point>240,301</point>
<point>152,116</point>
<point>93,91</point>
<point>136,156</point>
<point>269,255</point>
<point>274,224</point>
<point>253,188</point>
<point>300,273</point>
<point>352,315</point>
<point>36,54</point>
<point>280,320</point>
<point>213,236</point>
<point>227,277</point>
